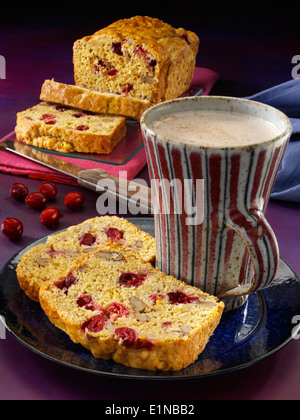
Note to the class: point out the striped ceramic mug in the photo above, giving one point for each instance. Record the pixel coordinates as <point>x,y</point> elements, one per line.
<point>209,202</point>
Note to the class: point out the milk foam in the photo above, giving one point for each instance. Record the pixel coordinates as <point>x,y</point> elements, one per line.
<point>215,128</point>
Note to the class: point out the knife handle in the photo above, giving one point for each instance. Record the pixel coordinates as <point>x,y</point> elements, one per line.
<point>130,191</point>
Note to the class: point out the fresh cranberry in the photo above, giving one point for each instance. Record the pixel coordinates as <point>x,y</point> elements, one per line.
<point>66,282</point>
<point>12,228</point>
<point>131,280</point>
<point>48,189</point>
<point>74,199</point>
<point>87,239</point>
<point>113,234</point>
<point>95,324</point>
<point>117,310</point>
<point>82,127</point>
<point>127,88</point>
<point>18,191</point>
<point>50,216</point>
<point>112,72</point>
<point>116,47</point>
<point>180,297</point>
<point>127,335</point>
<point>36,200</point>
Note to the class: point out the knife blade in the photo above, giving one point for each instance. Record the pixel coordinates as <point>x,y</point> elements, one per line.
<point>98,180</point>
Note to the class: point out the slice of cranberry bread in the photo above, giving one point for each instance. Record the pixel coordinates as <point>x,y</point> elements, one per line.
<point>141,57</point>
<point>64,129</point>
<point>122,308</point>
<point>91,100</point>
<point>52,259</point>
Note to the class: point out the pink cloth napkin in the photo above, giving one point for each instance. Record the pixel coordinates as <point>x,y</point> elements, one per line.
<point>17,165</point>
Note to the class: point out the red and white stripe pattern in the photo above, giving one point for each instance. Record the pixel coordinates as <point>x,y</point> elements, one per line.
<point>216,254</point>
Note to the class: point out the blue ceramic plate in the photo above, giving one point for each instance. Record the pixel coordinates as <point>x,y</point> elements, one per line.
<point>246,336</point>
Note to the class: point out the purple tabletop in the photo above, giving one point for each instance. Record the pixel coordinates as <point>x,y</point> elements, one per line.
<point>247,62</point>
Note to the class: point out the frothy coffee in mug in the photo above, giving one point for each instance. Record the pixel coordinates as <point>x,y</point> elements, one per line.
<point>215,128</point>
<point>226,176</point>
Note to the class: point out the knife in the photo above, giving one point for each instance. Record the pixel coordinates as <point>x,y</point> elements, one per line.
<point>128,192</point>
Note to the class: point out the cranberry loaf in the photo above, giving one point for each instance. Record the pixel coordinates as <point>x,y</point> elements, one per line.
<point>91,100</point>
<point>64,129</point>
<point>141,57</point>
<point>122,308</point>
<point>52,259</point>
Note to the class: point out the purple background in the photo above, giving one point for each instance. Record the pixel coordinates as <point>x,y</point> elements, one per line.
<point>252,49</point>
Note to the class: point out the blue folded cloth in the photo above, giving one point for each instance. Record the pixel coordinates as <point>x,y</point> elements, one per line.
<point>286,97</point>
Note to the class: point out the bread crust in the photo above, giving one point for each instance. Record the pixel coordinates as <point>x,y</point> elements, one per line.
<point>89,100</point>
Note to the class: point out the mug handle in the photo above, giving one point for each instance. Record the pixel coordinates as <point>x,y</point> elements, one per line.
<point>263,250</point>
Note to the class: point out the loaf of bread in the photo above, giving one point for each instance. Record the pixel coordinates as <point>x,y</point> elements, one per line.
<point>52,259</point>
<point>94,101</point>
<point>141,57</point>
<point>119,307</point>
<point>60,128</point>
